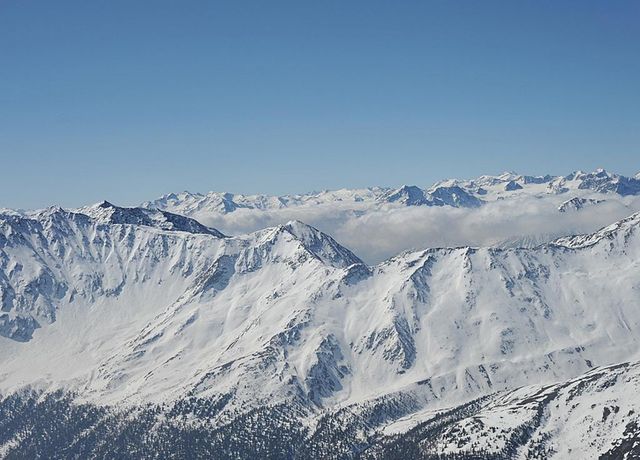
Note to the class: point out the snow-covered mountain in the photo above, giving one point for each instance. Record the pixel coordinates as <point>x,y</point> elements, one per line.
<point>143,321</point>
<point>577,203</point>
<point>451,192</point>
<point>509,210</point>
<point>591,416</point>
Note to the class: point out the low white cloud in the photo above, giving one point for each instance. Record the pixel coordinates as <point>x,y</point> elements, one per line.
<point>377,234</point>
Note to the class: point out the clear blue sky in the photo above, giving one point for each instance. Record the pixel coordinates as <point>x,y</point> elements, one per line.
<point>126,100</point>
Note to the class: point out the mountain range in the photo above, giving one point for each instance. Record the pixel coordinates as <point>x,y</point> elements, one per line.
<point>141,332</point>
<point>452,192</point>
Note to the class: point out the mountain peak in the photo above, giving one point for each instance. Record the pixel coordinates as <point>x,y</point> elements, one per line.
<point>106,212</point>
<point>577,203</point>
<point>319,244</point>
<point>298,225</point>
<point>104,204</point>
<point>455,196</point>
<point>622,227</point>
<point>409,195</point>
<point>52,212</point>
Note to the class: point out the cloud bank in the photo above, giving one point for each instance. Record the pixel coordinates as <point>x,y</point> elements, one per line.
<point>377,234</point>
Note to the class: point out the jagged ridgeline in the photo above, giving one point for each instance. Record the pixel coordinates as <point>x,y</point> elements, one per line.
<point>451,192</point>
<point>130,332</point>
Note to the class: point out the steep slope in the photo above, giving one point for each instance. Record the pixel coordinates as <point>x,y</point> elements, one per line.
<point>292,297</point>
<point>107,213</point>
<point>131,307</point>
<point>454,196</point>
<point>54,257</point>
<point>595,415</point>
<point>577,203</point>
<point>408,195</point>
<point>92,295</point>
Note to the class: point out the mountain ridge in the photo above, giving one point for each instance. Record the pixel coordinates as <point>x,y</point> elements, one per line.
<point>450,192</point>
<point>123,313</point>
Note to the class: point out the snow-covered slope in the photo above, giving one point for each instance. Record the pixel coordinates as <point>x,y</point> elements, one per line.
<point>130,307</point>
<point>577,203</point>
<point>107,213</point>
<point>594,415</point>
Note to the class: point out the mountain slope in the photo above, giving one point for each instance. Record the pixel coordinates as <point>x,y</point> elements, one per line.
<point>594,415</point>
<point>577,203</point>
<point>130,307</point>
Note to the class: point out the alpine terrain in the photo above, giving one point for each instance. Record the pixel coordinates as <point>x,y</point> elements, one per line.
<point>143,333</point>
<point>452,192</point>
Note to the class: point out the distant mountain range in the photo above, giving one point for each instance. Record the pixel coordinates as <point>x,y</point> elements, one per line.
<point>140,332</point>
<point>452,192</point>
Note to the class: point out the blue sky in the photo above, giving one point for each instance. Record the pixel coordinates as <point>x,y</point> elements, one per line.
<point>127,100</point>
